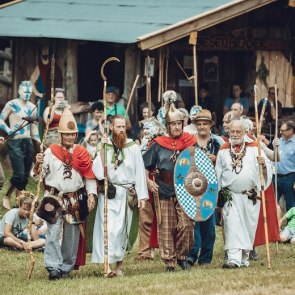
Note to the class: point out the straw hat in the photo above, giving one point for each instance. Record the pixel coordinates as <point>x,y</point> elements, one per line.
<point>204,115</point>
<point>67,122</point>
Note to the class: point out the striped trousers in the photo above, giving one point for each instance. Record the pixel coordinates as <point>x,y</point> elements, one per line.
<point>175,233</point>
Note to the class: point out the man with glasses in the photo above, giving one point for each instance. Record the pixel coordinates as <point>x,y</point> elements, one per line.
<point>286,166</point>
<point>270,112</point>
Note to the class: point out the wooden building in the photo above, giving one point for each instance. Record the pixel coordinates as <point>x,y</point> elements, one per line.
<point>232,39</point>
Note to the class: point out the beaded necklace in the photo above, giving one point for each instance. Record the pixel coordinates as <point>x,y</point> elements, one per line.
<point>237,158</point>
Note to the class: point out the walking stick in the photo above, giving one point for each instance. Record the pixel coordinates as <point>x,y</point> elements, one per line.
<point>261,180</point>
<point>29,226</point>
<point>105,171</point>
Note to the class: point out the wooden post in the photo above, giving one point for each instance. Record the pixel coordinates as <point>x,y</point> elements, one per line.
<point>193,41</point>
<point>261,180</point>
<point>160,86</point>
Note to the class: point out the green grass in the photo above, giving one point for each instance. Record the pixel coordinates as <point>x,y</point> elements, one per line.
<point>149,277</point>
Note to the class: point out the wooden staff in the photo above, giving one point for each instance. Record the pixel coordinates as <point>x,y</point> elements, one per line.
<point>39,170</point>
<point>105,170</point>
<point>261,180</point>
<point>131,95</point>
<point>148,88</point>
<point>193,41</point>
<point>276,147</point>
<point>264,103</point>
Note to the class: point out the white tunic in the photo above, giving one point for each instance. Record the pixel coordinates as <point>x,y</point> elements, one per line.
<point>241,218</point>
<point>53,170</point>
<point>130,171</point>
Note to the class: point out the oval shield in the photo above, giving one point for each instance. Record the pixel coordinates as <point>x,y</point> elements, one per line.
<point>195,184</point>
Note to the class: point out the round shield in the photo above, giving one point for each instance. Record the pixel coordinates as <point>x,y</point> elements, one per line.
<point>195,184</point>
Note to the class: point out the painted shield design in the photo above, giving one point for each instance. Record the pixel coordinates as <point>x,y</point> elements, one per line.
<point>195,184</point>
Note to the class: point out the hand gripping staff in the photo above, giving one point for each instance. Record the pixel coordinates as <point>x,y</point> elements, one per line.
<point>105,172</point>
<point>38,169</point>
<point>258,128</point>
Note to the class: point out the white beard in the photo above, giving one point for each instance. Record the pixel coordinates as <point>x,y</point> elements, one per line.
<point>236,141</point>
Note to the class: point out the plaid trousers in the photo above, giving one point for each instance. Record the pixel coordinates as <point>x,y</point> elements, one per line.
<point>175,233</point>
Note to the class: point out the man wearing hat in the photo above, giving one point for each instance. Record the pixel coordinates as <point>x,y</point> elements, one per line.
<point>205,231</point>
<point>113,107</point>
<point>68,179</point>
<point>175,233</point>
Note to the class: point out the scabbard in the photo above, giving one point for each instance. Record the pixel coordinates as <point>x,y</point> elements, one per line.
<point>80,225</point>
<point>157,207</point>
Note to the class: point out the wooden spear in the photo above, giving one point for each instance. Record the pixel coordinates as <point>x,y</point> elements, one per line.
<point>261,180</point>
<point>105,220</point>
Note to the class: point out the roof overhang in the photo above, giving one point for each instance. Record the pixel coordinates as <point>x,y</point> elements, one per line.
<point>198,23</point>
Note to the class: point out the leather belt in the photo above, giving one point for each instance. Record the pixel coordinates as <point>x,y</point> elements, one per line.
<point>54,191</point>
<point>166,177</point>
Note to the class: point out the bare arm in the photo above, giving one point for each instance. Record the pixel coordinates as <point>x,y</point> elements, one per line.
<point>8,233</point>
<point>282,221</point>
<point>46,112</point>
<point>3,116</point>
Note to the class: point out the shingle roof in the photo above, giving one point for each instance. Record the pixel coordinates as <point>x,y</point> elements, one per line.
<point>118,21</point>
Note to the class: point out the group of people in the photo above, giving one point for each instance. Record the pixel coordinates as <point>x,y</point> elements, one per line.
<point>141,181</point>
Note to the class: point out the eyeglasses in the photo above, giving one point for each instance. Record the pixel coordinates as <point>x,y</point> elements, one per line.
<point>271,93</point>
<point>284,130</point>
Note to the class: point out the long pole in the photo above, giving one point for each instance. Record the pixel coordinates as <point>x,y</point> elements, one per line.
<point>275,140</point>
<point>29,226</point>
<point>193,41</point>
<point>105,170</point>
<point>131,94</point>
<point>261,179</point>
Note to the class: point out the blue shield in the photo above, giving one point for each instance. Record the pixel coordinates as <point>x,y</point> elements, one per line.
<point>195,184</point>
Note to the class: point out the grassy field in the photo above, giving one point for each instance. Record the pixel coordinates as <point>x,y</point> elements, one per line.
<point>149,277</point>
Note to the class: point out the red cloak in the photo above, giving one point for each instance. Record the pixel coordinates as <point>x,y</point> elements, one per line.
<point>180,143</point>
<point>271,217</point>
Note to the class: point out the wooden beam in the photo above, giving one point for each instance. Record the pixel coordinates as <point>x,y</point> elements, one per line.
<point>10,3</point>
<point>6,80</point>
<point>199,22</point>
<point>5,55</point>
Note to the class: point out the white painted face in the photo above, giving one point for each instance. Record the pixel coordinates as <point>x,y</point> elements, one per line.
<point>149,130</point>
<point>25,90</point>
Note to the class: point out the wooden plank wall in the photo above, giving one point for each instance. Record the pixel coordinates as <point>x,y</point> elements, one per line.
<point>285,79</point>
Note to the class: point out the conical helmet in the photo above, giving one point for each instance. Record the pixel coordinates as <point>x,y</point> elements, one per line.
<point>67,122</point>
<point>173,114</point>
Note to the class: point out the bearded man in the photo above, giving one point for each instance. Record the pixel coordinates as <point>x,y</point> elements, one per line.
<point>68,179</point>
<point>125,171</point>
<point>175,233</point>
<point>237,169</point>
<point>205,231</point>
<point>227,118</point>
<point>20,146</point>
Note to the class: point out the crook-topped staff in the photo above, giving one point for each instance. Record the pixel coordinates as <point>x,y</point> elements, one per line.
<point>262,182</point>
<point>105,171</point>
